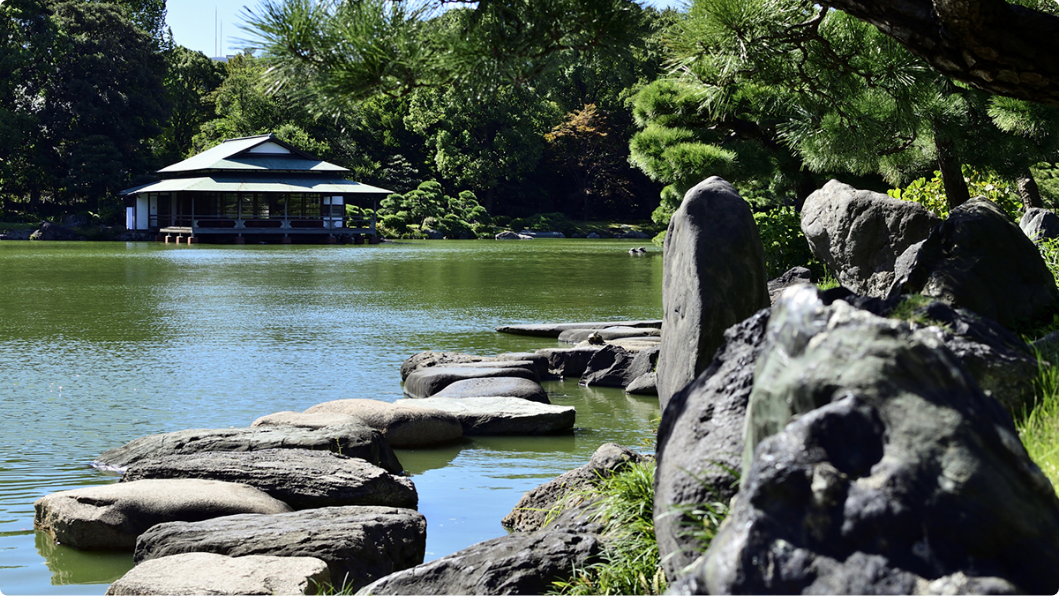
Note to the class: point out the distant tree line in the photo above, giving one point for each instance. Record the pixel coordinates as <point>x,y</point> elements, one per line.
<point>96,96</point>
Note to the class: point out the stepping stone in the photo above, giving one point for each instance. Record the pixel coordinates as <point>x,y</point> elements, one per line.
<point>482,416</point>
<point>570,362</point>
<point>359,544</point>
<point>112,516</point>
<point>553,330</point>
<point>354,440</point>
<point>407,426</point>
<point>208,573</point>
<point>301,478</point>
<point>496,387</point>
<point>428,381</point>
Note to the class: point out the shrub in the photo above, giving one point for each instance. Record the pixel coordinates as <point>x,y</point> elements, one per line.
<point>931,193</point>
<point>784,243</point>
<point>1039,427</point>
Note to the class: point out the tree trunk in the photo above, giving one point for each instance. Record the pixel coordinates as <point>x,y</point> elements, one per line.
<point>1028,191</point>
<point>956,192</point>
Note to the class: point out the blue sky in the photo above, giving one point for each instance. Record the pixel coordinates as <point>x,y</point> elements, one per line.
<point>193,22</point>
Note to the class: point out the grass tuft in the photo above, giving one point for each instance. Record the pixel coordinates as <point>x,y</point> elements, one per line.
<point>1039,427</point>
<point>623,504</point>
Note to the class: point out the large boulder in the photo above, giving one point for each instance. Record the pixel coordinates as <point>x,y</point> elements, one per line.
<point>713,276</point>
<point>485,416</point>
<point>425,382</point>
<point>875,464</point>
<point>614,366</point>
<point>208,573</point>
<point>515,564</point>
<point>700,442</point>
<point>1039,224</point>
<point>110,517</point>
<point>301,478</point>
<point>354,440</point>
<point>404,426</point>
<point>359,544</point>
<point>859,234</point>
<point>979,260</point>
<point>569,362</point>
<point>495,387</point>
<point>535,506</point>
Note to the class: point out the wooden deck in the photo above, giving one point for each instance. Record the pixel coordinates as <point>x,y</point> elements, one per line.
<point>283,231</point>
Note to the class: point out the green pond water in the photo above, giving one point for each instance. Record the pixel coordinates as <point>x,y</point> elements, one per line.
<point>101,343</point>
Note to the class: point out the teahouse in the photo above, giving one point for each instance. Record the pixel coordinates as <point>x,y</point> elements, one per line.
<point>259,188</point>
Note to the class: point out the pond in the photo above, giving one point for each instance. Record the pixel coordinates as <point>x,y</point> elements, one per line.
<point>101,343</point>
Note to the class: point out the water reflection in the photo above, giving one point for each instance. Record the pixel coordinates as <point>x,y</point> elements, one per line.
<point>72,566</point>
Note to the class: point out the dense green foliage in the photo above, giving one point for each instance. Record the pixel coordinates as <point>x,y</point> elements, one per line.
<point>784,243</point>
<point>780,94</point>
<point>931,193</point>
<point>412,214</point>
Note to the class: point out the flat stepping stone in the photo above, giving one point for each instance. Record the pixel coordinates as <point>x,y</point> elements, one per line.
<point>484,416</point>
<point>354,440</point>
<point>407,426</point>
<point>359,544</point>
<point>301,478</point>
<point>429,359</point>
<point>208,573</point>
<point>574,336</point>
<point>553,330</point>
<point>426,382</point>
<point>496,387</point>
<point>112,516</point>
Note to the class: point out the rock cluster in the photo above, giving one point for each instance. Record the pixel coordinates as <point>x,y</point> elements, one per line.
<point>871,461</point>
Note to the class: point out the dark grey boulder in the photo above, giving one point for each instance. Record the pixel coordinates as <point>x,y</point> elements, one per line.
<point>792,277</point>
<point>859,234</point>
<point>713,276</point>
<point>529,366</point>
<point>700,442</point>
<point>533,508</point>
<point>495,387</point>
<point>1039,224</point>
<point>514,564</point>
<point>208,573</point>
<point>880,467</point>
<point>359,544</point>
<point>555,329</point>
<point>425,382</point>
<point>430,359</point>
<point>506,235</point>
<point>540,362</point>
<point>569,362</point>
<point>616,367</point>
<point>491,416</point>
<point>1003,365</point>
<point>979,260</point>
<point>301,478</point>
<point>354,440</point>
<point>643,385</point>
<point>110,517</point>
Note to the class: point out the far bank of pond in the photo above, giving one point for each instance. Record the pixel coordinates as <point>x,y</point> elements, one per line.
<point>105,342</point>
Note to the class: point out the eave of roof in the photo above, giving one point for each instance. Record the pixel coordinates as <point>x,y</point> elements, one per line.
<point>258,184</point>
<point>234,154</point>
